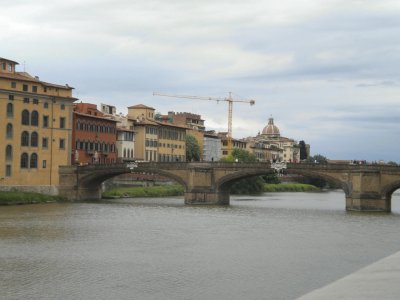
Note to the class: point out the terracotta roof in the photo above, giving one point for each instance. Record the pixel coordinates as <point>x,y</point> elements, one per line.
<point>9,60</point>
<point>143,122</point>
<point>141,106</point>
<point>27,77</point>
<point>94,117</point>
<point>172,125</point>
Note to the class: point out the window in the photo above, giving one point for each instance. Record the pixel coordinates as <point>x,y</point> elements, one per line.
<point>45,143</point>
<point>45,89</point>
<point>25,117</point>
<point>9,131</point>
<point>26,100</point>
<point>34,161</point>
<point>46,105</point>
<point>35,101</point>
<point>25,138</point>
<point>62,106</point>
<point>25,87</point>
<point>62,144</point>
<point>9,67</point>
<point>10,109</point>
<point>45,121</point>
<point>34,89</point>
<point>11,97</point>
<point>9,152</point>
<point>44,163</point>
<point>8,170</point>
<point>35,118</point>
<point>24,161</point>
<point>62,122</point>
<point>34,139</point>
<point>13,85</point>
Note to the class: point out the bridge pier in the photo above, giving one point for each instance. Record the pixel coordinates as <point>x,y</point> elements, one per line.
<point>365,192</point>
<point>368,203</point>
<point>208,197</point>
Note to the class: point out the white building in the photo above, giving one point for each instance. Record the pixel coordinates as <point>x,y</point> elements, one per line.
<point>125,133</point>
<point>211,146</point>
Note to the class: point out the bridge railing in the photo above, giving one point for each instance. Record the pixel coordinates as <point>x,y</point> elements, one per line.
<point>254,165</point>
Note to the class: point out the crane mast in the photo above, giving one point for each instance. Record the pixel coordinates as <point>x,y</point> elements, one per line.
<point>230,101</point>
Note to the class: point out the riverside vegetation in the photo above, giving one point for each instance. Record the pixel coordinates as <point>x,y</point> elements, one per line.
<point>17,197</point>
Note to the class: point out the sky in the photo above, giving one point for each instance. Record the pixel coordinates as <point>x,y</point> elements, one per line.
<point>328,72</point>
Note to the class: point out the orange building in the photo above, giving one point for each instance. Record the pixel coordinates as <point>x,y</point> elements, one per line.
<point>93,136</point>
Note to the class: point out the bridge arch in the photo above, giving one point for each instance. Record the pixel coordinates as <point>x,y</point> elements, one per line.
<point>225,182</point>
<point>389,189</point>
<point>96,179</point>
<point>327,177</point>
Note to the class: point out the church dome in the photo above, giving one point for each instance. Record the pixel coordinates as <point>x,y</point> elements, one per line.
<point>271,130</point>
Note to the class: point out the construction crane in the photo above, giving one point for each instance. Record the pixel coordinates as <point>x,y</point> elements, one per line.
<point>230,101</point>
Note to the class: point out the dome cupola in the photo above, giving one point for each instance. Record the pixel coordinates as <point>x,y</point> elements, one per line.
<point>271,130</point>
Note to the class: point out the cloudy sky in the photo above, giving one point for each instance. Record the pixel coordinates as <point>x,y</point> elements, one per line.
<point>328,71</point>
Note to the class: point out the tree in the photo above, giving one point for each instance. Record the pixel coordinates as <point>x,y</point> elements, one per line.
<point>241,155</point>
<point>303,150</point>
<point>318,158</point>
<point>192,148</point>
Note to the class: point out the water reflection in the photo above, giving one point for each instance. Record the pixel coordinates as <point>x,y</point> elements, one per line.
<point>275,246</point>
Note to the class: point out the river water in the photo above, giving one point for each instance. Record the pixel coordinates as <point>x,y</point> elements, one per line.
<point>274,246</point>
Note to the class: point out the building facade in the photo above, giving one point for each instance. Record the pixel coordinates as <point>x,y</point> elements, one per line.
<point>240,144</point>
<point>155,140</point>
<point>125,133</point>
<point>37,123</point>
<point>211,146</point>
<point>93,137</point>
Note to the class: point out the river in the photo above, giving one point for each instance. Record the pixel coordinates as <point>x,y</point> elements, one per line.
<point>274,246</point>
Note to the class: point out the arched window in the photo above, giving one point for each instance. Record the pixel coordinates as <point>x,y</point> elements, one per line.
<point>24,160</point>
<point>9,131</point>
<point>34,139</point>
<point>25,138</point>
<point>124,152</point>
<point>35,118</point>
<point>9,152</point>
<point>10,110</point>
<point>25,117</point>
<point>132,153</point>
<point>34,161</point>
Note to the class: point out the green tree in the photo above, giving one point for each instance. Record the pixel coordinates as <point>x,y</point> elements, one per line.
<point>192,148</point>
<point>318,158</point>
<point>240,155</point>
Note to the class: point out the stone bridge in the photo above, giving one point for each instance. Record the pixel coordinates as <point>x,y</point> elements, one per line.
<point>366,187</point>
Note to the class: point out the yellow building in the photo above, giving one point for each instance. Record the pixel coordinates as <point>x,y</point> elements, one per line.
<point>36,119</point>
<point>156,141</point>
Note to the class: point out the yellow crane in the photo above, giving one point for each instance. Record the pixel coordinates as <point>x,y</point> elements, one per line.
<point>228,99</point>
